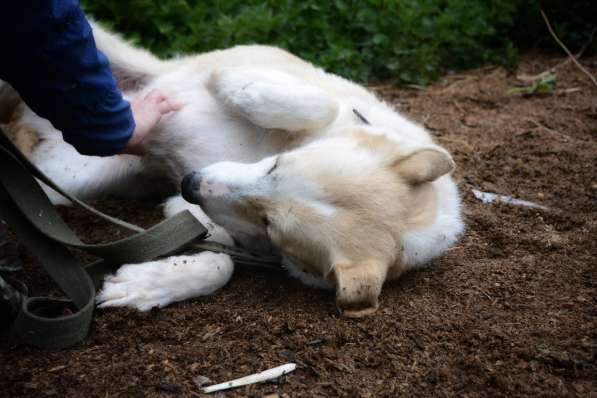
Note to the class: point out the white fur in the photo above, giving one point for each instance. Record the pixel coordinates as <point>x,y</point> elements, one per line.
<point>322,207</point>
<point>230,174</point>
<point>421,246</point>
<point>244,106</point>
<point>159,283</point>
<point>273,100</point>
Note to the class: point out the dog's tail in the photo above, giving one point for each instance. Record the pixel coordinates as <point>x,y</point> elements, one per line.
<point>132,66</point>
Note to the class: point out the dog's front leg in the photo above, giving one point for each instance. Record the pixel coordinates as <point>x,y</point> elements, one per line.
<point>168,280</point>
<point>217,234</point>
<point>164,281</point>
<point>273,100</point>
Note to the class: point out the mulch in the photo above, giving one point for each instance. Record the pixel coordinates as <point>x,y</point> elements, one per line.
<point>509,311</point>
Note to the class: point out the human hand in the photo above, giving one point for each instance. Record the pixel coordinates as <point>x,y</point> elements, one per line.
<point>147,112</point>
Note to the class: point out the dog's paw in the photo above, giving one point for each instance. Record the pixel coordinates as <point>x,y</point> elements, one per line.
<point>273,99</point>
<point>159,283</point>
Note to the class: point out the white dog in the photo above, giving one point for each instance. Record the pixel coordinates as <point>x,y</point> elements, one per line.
<point>279,155</point>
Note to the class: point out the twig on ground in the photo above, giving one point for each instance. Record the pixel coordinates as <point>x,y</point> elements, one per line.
<point>485,293</point>
<point>416,87</point>
<point>537,124</point>
<point>455,248</point>
<point>570,90</point>
<point>459,107</point>
<point>572,57</point>
<point>546,129</point>
<point>533,78</point>
<point>450,82</point>
<point>587,44</point>
<point>252,379</point>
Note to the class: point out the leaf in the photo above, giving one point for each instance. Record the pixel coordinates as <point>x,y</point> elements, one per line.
<point>546,84</point>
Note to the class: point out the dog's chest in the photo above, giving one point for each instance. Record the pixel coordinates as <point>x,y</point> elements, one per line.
<point>203,133</point>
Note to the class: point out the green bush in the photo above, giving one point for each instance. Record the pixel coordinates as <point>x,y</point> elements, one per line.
<point>409,41</point>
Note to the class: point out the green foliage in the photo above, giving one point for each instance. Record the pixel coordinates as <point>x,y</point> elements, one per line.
<point>544,85</point>
<point>409,41</point>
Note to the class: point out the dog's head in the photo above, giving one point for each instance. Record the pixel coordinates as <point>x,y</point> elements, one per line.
<point>336,207</point>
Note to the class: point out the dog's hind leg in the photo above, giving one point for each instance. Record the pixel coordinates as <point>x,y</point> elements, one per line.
<point>272,99</point>
<point>90,177</point>
<point>86,177</point>
<point>164,281</point>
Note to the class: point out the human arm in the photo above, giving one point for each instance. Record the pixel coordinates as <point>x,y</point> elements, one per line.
<point>51,59</point>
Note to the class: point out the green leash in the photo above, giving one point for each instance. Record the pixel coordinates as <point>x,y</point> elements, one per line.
<point>56,323</point>
<point>42,321</point>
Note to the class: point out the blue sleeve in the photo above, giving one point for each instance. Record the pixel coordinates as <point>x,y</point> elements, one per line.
<point>49,57</point>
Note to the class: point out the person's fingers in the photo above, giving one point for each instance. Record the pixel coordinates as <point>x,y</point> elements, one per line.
<point>165,107</point>
<point>156,96</point>
<point>169,106</point>
<point>177,105</point>
<point>152,95</point>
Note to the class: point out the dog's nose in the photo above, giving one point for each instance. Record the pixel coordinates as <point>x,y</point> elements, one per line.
<point>189,187</point>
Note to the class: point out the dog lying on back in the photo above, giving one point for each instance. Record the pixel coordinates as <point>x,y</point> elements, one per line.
<point>277,156</point>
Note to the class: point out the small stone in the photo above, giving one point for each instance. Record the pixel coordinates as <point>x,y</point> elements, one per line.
<point>201,381</point>
<point>168,387</point>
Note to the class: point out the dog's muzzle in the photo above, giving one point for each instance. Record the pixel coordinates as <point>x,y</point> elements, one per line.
<point>189,188</point>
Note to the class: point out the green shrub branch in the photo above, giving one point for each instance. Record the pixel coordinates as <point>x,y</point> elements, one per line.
<point>408,41</point>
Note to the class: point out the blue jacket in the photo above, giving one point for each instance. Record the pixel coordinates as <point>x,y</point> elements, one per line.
<point>49,56</point>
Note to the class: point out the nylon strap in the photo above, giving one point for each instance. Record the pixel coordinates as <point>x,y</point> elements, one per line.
<point>56,323</point>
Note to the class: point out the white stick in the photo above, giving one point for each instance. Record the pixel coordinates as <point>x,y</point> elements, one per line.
<point>488,197</point>
<point>252,379</point>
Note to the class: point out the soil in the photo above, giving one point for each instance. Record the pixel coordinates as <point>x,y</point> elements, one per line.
<point>509,311</point>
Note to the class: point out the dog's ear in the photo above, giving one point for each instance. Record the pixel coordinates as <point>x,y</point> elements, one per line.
<point>358,287</point>
<point>416,163</point>
<point>423,165</point>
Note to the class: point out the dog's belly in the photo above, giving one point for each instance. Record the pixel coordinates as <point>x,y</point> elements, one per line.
<point>203,133</point>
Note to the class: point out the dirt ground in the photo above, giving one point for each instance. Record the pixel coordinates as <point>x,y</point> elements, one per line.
<point>509,311</point>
